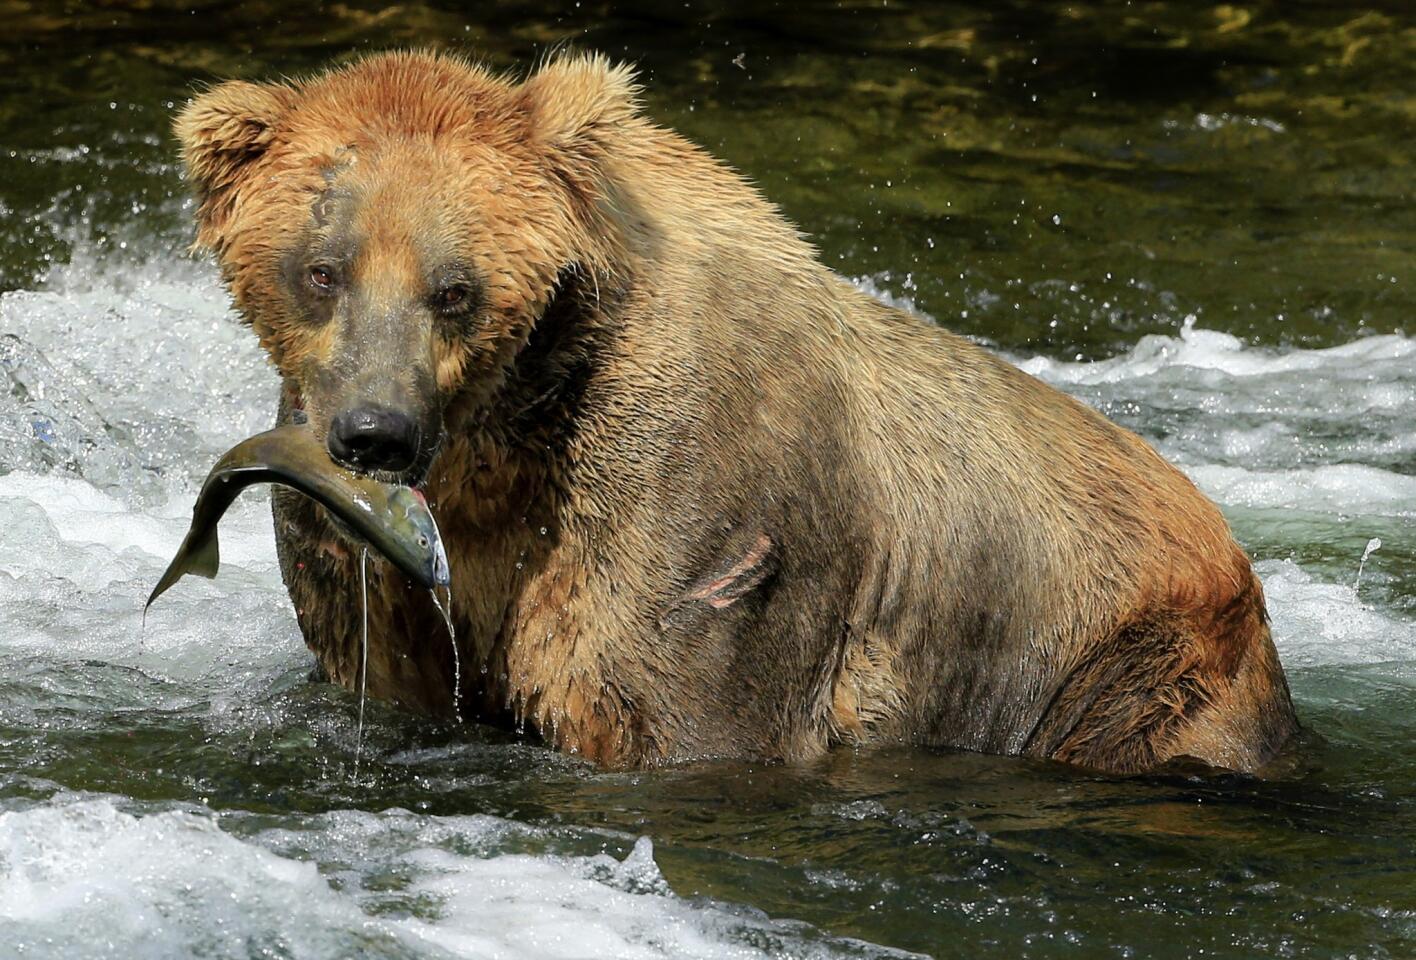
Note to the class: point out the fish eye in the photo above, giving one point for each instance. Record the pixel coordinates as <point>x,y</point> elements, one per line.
<point>422,541</point>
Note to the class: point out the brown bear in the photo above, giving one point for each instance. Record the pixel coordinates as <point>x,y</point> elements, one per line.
<point>702,497</point>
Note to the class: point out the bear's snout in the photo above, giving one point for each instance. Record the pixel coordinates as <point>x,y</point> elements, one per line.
<point>374,438</point>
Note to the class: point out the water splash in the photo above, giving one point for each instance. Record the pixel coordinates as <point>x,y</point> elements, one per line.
<point>446,612</point>
<point>363,657</point>
<point>1373,545</point>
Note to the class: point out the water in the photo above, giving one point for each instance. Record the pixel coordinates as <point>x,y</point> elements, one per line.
<point>364,656</point>
<point>1214,249</point>
<point>445,609</point>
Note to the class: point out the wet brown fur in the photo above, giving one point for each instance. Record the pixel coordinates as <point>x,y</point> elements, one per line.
<point>701,496</point>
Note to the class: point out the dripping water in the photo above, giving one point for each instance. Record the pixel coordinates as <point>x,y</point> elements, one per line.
<point>446,612</point>
<point>363,657</point>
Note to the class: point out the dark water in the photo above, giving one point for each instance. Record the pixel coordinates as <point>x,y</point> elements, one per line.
<point>1111,192</point>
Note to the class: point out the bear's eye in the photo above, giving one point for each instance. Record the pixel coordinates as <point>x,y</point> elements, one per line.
<point>450,298</point>
<point>322,277</point>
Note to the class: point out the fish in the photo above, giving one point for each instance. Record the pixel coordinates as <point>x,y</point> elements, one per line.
<point>394,520</point>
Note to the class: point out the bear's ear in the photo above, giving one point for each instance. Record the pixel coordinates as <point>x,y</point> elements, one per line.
<point>221,132</point>
<point>578,103</point>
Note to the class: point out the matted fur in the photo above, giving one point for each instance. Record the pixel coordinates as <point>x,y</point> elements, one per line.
<point>703,498</point>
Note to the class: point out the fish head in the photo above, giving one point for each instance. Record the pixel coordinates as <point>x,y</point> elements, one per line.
<point>414,544</point>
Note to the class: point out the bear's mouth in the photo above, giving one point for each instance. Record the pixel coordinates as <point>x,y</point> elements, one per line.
<point>415,475</point>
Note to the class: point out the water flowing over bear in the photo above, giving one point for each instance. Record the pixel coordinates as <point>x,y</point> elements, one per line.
<point>702,497</point>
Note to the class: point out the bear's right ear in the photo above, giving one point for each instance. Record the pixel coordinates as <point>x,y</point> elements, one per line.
<point>578,105</point>
<point>221,132</point>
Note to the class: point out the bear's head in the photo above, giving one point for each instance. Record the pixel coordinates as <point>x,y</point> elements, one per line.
<point>393,230</point>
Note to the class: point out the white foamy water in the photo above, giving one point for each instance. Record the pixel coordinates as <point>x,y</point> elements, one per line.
<point>119,392</point>
<point>1339,489</point>
<point>1318,623</point>
<point>102,877</point>
<point>1207,399</point>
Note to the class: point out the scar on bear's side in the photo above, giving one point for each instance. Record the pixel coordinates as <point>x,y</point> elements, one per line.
<point>731,582</point>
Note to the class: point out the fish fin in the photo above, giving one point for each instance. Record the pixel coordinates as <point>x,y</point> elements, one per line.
<point>203,559</point>
<point>206,559</point>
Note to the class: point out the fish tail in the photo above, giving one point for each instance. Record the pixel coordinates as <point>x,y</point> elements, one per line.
<point>202,559</point>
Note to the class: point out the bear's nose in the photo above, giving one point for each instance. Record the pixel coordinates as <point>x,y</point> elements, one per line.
<point>373,438</point>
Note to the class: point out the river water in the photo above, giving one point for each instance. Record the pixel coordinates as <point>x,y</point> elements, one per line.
<point>1196,218</point>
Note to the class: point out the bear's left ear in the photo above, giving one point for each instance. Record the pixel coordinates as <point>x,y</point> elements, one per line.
<point>578,104</point>
<point>221,132</point>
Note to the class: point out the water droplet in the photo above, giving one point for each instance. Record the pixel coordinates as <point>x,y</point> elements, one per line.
<point>1373,545</point>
